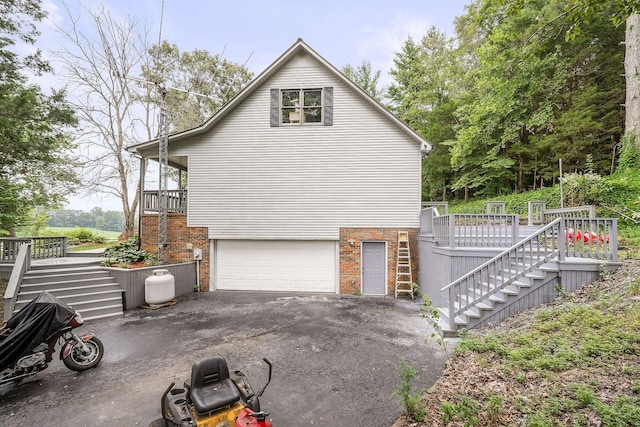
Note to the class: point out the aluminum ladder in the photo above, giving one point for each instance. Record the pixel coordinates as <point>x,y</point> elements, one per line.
<point>404,280</point>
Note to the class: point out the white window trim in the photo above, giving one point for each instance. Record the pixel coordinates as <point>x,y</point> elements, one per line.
<point>301,97</point>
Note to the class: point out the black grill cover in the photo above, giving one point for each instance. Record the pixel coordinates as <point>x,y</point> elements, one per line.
<point>36,322</point>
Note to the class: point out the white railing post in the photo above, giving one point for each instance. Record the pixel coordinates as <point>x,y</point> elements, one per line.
<point>562,239</point>
<point>613,239</point>
<point>452,231</point>
<point>426,220</point>
<point>452,320</point>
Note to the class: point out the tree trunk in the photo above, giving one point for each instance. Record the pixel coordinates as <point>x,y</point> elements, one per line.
<point>632,77</point>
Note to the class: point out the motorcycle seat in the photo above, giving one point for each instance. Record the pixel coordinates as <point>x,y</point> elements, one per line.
<point>211,388</point>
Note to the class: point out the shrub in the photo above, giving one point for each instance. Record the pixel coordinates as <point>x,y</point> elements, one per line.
<point>411,401</point>
<point>127,252</point>
<point>583,188</point>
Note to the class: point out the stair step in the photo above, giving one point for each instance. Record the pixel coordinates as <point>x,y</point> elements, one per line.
<point>487,305</point>
<point>66,284</point>
<point>114,310</point>
<point>92,298</point>
<point>83,285</point>
<point>522,283</point>
<point>60,292</point>
<point>64,277</point>
<point>498,297</point>
<point>63,270</point>
<point>536,274</point>
<point>461,320</point>
<point>103,316</point>
<point>79,263</point>
<point>473,312</point>
<point>511,290</point>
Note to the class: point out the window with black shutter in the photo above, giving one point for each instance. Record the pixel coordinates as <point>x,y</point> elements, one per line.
<point>295,107</point>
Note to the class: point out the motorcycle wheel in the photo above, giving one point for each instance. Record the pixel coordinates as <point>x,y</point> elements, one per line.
<point>77,361</point>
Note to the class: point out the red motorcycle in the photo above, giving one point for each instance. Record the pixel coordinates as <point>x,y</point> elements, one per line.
<point>28,340</point>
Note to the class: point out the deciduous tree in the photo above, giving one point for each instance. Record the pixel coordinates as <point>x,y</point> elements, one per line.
<point>36,165</point>
<point>115,75</point>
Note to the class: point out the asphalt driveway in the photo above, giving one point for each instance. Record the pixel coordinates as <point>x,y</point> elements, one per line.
<point>333,358</point>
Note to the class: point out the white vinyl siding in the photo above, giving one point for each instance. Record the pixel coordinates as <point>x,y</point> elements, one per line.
<point>267,265</point>
<point>248,180</point>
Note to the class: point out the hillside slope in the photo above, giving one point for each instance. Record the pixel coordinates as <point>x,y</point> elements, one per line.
<point>573,362</point>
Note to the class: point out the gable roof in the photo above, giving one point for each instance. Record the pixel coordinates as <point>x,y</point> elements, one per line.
<point>295,49</point>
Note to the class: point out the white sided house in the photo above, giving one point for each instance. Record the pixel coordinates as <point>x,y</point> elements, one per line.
<point>301,183</point>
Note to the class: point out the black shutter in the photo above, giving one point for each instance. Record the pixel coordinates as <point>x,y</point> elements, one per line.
<point>328,106</point>
<point>275,107</point>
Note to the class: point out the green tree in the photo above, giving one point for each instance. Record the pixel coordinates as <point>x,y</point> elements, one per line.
<point>36,165</point>
<point>197,83</point>
<point>538,96</point>
<point>366,79</point>
<point>426,77</point>
<point>579,15</point>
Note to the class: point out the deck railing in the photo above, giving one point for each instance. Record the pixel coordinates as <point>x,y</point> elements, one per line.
<point>21,266</point>
<point>475,230</point>
<point>442,208</point>
<point>559,239</point>
<point>176,201</point>
<point>588,211</point>
<point>41,247</point>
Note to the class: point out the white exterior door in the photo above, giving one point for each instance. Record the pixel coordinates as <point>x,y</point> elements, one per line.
<point>268,265</point>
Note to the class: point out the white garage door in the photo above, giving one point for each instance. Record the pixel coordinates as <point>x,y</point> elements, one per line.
<point>306,266</point>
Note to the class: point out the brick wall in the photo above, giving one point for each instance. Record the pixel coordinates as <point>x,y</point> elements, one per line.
<point>350,255</point>
<point>178,235</point>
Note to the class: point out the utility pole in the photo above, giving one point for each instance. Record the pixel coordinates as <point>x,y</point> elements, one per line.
<point>163,161</point>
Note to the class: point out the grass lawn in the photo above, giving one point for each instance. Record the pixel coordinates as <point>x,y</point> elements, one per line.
<point>109,235</point>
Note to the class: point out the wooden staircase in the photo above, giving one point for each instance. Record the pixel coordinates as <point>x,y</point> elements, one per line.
<point>528,274</point>
<point>533,288</point>
<point>85,286</point>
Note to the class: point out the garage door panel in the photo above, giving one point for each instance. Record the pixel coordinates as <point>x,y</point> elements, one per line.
<point>306,266</point>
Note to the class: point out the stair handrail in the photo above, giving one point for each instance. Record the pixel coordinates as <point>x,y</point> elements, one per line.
<point>495,267</point>
<point>595,238</point>
<point>21,266</point>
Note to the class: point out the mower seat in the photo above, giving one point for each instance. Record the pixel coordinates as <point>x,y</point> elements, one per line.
<point>211,388</point>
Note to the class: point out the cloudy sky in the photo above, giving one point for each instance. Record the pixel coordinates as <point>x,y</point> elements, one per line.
<point>343,32</point>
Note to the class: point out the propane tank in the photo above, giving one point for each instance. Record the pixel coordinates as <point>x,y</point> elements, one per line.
<point>159,288</point>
